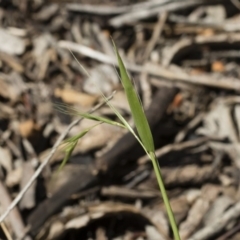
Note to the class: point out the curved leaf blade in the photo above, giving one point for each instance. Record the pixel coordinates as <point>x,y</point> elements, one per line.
<point>137,111</point>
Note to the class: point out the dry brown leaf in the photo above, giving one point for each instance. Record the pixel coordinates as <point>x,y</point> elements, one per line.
<point>237,118</point>
<point>26,128</point>
<point>56,229</point>
<point>71,96</point>
<point>194,218</point>
<point>102,78</point>
<point>7,90</point>
<point>101,234</point>
<point>115,191</point>
<point>207,32</point>
<point>217,209</point>
<point>14,177</point>
<point>6,159</point>
<point>47,12</point>
<point>177,100</point>
<point>210,192</point>
<point>12,61</point>
<point>189,174</point>
<point>62,177</point>
<point>28,199</point>
<point>225,180</point>
<point>220,127</point>
<point>43,63</point>
<point>111,207</point>
<point>78,222</point>
<point>153,234</point>
<point>218,66</point>
<point>6,111</point>
<point>197,71</point>
<point>180,207</point>
<point>11,44</point>
<point>158,218</point>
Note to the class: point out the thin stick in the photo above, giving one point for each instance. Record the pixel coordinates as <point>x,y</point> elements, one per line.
<point>155,36</point>
<point>112,10</point>
<point>14,218</point>
<point>157,70</point>
<point>6,232</point>
<point>133,17</point>
<point>46,160</point>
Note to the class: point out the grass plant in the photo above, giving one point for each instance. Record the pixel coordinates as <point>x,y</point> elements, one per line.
<point>143,134</point>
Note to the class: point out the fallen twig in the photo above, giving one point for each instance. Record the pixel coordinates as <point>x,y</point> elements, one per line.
<point>111,10</point>
<point>144,13</point>
<point>174,147</point>
<point>15,217</point>
<point>156,69</point>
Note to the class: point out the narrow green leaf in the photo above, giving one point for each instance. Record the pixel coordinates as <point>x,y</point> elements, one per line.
<point>137,111</point>
<point>66,109</point>
<point>78,136</point>
<point>68,153</point>
<point>101,119</point>
<point>71,144</point>
<point>125,123</point>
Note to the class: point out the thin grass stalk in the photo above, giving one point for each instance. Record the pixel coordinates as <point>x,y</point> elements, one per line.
<point>144,132</point>
<point>166,201</point>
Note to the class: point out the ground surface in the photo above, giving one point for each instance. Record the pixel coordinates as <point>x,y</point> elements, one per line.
<point>184,57</point>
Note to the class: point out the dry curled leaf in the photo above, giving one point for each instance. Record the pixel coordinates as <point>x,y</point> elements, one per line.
<point>218,66</point>
<point>11,44</point>
<point>14,177</point>
<point>5,159</point>
<point>27,127</point>
<point>71,96</point>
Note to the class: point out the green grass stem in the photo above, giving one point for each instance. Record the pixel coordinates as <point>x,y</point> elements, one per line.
<point>145,135</point>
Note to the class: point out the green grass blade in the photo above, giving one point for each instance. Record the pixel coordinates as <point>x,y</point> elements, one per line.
<point>137,111</point>
<point>125,123</point>
<point>101,119</point>
<point>67,109</point>
<point>78,136</point>
<point>145,135</point>
<point>68,153</point>
<point>71,144</point>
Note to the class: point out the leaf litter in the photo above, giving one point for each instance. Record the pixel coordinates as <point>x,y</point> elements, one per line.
<point>193,48</point>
